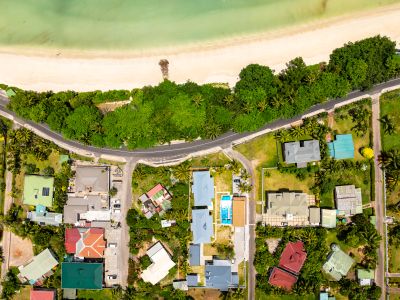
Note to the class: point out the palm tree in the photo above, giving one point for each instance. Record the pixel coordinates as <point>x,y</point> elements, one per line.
<point>247,107</point>
<point>213,130</point>
<point>262,105</point>
<point>387,124</point>
<point>229,99</point>
<point>138,174</point>
<point>235,166</point>
<point>164,63</point>
<point>197,100</point>
<point>297,132</point>
<point>182,172</point>
<point>244,187</point>
<point>276,101</point>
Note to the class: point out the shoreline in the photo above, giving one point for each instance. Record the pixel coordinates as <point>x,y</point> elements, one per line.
<point>216,61</point>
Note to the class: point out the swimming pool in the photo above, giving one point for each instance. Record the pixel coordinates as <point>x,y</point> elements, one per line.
<point>226,209</point>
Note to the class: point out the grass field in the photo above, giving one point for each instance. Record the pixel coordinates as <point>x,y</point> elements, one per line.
<point>394,259</point>
<point>277,180</point>
<point>260,295</point>
<point>390,105</point>
<point>105,294</point>
<point>24,294</point>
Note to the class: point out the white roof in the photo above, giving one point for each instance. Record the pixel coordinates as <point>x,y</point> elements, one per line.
<point>96,215</point>
<point>39,266</point>
<point>161,265</point>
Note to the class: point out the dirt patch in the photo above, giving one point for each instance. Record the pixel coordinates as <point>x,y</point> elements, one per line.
<point>21,250</point>
<point>204,294</point>
<point>111,106</point>
<point>272,244</point>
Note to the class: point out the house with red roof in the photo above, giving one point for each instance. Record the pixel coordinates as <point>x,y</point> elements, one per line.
<point>85,242</point>
<point>293,257</point>
<point>291,261</point>
<point>282,279</point>
<point>42,295</point>
<point>156,200</point>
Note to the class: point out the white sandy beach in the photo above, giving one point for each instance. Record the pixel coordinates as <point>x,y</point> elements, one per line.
<point>60,70</point>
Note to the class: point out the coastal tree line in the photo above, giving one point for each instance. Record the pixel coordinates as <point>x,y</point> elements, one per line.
<point>169,111</point>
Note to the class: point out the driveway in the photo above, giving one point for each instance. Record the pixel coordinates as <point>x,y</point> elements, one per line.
<point>239,246</point>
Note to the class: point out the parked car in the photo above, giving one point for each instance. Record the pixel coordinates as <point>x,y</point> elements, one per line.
<point>117,205</point>
<point>113,276</point>
<point>112,245</point>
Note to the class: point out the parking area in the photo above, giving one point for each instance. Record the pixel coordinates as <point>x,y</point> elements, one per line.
<point>111,260</point>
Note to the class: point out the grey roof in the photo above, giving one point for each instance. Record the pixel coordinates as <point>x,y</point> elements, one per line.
<point>71,213</point>
<point>348,200</point>
<point>92,179</point>
<point>194,254</point>
<point>219,275</point>
<point>45,218</point>
<point>315,216</point>
<point>94,202</point>
<point>328,218</point>
<point>287,203</point>
<point>192,279</point>
<point>180,285</point>
<point>202,226</point>
<point>301,152</point>
<point>203,188</point>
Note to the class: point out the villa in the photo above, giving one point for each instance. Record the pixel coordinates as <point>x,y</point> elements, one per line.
<point>301,152</point>
<point>202,226</point>
<point>338,263</point>
<point>203,188</point>
<point>156,200</point>
<point>287,209</point>
<point>41,216</point>
<point>38,190</point>
<point>219,275</point>
<point>342,147</point>
<point>82,275</point>
<point>39,268</point>
<point>348,200</point>
<point>161,264</point>
<point>85,242</point>
<point>290,264</point>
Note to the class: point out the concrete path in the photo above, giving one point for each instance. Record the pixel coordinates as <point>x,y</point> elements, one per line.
<point>379,209</point>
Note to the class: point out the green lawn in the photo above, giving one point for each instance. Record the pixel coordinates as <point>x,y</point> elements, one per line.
<point>332,238</point>
<point>390,105</point>
<point>105,294</point>
<point>278,180</point>
<point>216,159</point>
<point>53,161</point>
<point>260,295</point>
<point>344,126</point>
<point>262,150</point>
<point>394,259</point>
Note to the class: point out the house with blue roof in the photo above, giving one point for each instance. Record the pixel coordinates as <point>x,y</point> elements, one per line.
<point>203,188</point>
<point>219,275</point>
<point>194,254</point>
<point>202,226</point>
<point>342,147</point>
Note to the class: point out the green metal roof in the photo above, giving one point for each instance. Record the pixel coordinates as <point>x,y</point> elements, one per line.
<point>338,264</point>
<point>82,276</point>
<point>38,190</point>
<point>365,274</point>
<point>342,147</point>
<point>40,265</point>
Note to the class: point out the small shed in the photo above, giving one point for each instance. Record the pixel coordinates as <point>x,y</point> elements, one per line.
<point>192,279</point>
<point>194,254</point>
<point>365,277</point>
<point>315,216</point>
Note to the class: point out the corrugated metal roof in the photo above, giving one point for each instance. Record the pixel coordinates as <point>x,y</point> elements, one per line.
<point>202,226</point>
<point>342,147</point>
<point>77,275</point>
<point>302,151</point>
<point>40,265</point>
<point>194,254</point>
<point>203,188</point>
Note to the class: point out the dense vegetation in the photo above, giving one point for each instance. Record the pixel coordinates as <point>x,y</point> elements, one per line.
<point>187,111</point>
<point>359,234</point>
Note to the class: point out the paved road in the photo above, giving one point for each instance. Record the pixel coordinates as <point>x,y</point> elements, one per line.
<point>6,241</point>
<point>180,150</point>
<point>379,209</point>
<point>251,220</point>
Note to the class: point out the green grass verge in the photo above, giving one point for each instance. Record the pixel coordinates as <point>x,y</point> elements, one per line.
<point>390,105</point>
<point>105,294</point>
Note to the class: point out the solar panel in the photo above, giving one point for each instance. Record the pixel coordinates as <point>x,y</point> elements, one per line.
<point>45,191</point>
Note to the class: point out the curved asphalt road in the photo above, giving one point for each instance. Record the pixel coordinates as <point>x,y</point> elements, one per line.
<point>180,150</point>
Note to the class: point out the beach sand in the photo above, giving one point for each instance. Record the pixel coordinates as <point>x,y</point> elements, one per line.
<point>41,69</point>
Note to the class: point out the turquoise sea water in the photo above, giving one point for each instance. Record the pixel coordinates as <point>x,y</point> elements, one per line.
<point>142,24</point>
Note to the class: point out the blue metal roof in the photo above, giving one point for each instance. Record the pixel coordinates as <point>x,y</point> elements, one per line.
<point>203,188</point>
<point>192,279</point>
<point>323,296</point>
<point>202,226</point>
<point>194,255</point>
<point>342,147</point>
<point>219,276</point>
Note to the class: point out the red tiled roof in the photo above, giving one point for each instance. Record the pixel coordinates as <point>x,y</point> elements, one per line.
<point>72,236</point>
<point>293,257</point>
<point>42,295</point>
<point>93,243</point>
<point>282,279</point>
<point>89,242</point>
<point>155,190</point>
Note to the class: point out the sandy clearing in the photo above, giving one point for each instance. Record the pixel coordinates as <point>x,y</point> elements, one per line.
<point>83,71</point>
<point>21,251</point>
